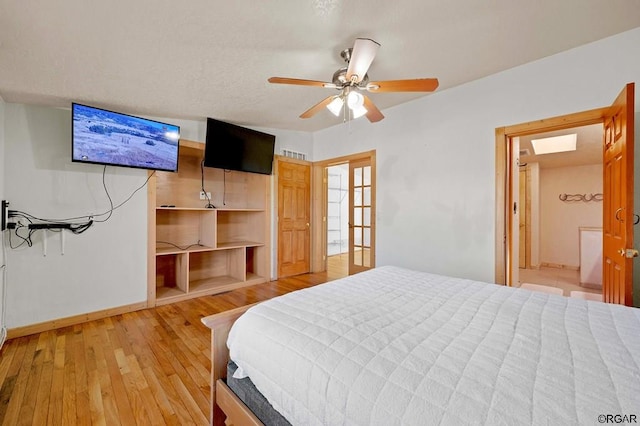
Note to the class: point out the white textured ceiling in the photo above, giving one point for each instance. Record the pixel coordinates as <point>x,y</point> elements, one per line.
<point>201,58</point>
<point>588,148</point>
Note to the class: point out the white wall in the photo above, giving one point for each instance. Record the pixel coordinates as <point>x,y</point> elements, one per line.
<point>435,156</point>
<point>560,220</point>
<point>102,268</point>
<point>292,140</point>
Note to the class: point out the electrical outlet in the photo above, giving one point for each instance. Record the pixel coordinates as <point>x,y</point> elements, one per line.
<point>204,196</point>
<point>5,215</point>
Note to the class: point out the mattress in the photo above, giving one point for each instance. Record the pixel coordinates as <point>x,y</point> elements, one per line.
<point>395,346</point>
<point>249,395</point>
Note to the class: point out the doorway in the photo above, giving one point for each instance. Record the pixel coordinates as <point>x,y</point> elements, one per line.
<point>618,188</point>
<point>344,215</point>
<point>337,221</point>
<point>560,211</point>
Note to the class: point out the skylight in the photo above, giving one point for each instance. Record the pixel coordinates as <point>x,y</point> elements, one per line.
<point>555,144</point>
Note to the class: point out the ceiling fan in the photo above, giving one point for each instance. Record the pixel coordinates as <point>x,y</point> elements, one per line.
<point>353,79</point>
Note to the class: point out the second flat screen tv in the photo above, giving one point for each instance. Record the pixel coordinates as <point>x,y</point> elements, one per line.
<point>233,147</point>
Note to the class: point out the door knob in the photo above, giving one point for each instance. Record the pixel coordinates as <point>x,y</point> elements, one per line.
<point>631,253</point>
<point>628,253</point>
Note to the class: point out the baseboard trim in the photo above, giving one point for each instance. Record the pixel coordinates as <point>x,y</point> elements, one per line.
<point>559,266</point>
<point>27,330</point>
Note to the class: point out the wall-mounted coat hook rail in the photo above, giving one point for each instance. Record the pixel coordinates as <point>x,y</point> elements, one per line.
<point>580,197</point>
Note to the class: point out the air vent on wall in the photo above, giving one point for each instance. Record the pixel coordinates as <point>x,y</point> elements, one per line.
<point>294,154</point>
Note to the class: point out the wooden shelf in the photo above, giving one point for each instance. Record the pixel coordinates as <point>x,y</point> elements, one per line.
<point>239,210</point>
<point>169,292</point>
<point>161,251</point>
<point>204,209</point>
<point>233,241</point>
<point>237,244</point>
<point>255,278</point>
<point>219,283</point>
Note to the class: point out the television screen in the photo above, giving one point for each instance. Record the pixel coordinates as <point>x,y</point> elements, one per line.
<point>233,147</point>
<point>106,137</point>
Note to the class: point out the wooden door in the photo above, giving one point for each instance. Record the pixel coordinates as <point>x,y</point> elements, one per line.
<point>618,215</point>
<point>294,215</point>
<point>361,216</point>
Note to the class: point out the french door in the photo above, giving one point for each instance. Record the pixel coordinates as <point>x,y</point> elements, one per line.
<point>361,216</point>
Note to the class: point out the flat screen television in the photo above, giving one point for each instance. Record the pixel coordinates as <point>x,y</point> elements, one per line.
<point>105,137</point>
<point>233,147</point>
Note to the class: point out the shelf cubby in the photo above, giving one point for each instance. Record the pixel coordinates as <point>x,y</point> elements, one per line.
<point>187,228</point>
<point>254,268</point>
<point>171,275</point>
<point>245,227</point>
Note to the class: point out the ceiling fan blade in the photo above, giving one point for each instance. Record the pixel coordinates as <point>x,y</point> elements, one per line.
<point>316,108</point>
<point>415,85</point>
<point>373,113</point>
<point>301,82</point>
<point>364,50</point>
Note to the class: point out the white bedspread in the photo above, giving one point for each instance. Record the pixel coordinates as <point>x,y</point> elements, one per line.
<point>394,346</point>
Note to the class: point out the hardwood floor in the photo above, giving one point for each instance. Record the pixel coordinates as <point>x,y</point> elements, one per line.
<point>146,367</point>
<point>337,266</point>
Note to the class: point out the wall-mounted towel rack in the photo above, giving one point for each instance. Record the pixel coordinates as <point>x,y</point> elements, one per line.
<point>571,198</point>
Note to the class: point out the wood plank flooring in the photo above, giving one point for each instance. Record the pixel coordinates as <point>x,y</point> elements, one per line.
<point>150,367</point>
<point>337,266</point>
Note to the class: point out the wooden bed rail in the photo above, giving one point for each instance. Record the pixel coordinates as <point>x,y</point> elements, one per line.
<point>220,324</point>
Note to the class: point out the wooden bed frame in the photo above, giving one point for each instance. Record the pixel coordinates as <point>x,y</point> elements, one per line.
<point>226,408</point>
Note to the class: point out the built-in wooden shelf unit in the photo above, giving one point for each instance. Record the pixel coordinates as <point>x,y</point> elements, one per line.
<point>196,251</point>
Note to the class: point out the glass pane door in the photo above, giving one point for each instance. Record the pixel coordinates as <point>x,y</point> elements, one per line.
<point>361,216</point>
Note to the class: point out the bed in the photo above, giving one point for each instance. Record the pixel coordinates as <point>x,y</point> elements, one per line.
<point>396,346</point>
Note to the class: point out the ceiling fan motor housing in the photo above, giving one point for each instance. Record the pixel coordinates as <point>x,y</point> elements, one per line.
<point>340,79</point>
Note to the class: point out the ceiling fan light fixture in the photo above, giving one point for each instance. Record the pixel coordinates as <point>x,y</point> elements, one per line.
<point>358,111</point>
<point>355,100</point>
<point>335,106</point>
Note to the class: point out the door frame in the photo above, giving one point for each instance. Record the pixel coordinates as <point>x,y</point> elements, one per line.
<point>319,185</point>
<point>504,174</point>
<point>526,182</point>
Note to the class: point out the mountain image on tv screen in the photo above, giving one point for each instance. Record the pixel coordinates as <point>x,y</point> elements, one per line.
<point>107,137</point>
